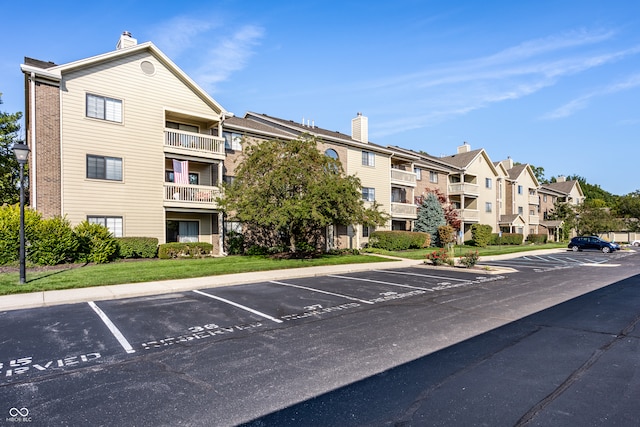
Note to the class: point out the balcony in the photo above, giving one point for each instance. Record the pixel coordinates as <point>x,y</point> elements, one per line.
<point>404,210</point>
<point>469,215</point>
<point>534,200</point>
<point>190,196</point>
<point>465,188</point>
<point>400,177</point>
<point>534,219</point>
<point>193,144</point>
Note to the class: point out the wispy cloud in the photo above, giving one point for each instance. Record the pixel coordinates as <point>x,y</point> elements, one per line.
<point>582,102</point>
<point>212,54</point>
<point>448,90</point>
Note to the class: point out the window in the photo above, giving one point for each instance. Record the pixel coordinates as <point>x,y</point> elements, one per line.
<point>330,152</point>
<point>368,194</point>
<point>488,207</point>
<point>433,177</point>
<point>366,230</point>
<point>418,173</point>
<point>113,223</point>
<point>182,231</point>
<point>194,178</point>
<point>368,158</point>
<point>487,182</point>
<point>182,126</point>
<point>398,195</point>
<point>99,167</point>
<point>520,189</point>
<point>544,197</point>
<point>520,210</point>
<point>232,141</point>
<point>100,107</point>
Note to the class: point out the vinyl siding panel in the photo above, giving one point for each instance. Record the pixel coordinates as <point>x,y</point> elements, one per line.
<point>138,140</point>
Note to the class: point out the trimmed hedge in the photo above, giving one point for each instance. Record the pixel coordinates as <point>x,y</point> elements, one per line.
<point>399,240</point>
<point>481,234</point>
<point>184,250</point>
<point>137,247</point>
<point>507,239</point>
<point>537,238</point>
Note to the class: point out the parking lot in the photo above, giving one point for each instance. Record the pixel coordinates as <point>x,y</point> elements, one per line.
<point>231,354</point>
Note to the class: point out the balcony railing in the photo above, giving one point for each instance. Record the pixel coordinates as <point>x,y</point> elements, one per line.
<point>193,143</point>
<point>469,215</point>
<point>401,177</point>
<point>404,210</point>
<point>464,188</point>
<point>191,195</point>
<point>534,219</point>
<point>534,199</point>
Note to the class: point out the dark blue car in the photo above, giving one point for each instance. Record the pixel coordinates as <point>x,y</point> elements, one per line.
<point>592,242</point>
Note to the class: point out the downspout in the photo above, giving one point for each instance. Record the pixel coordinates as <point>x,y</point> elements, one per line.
<point>32,114</point>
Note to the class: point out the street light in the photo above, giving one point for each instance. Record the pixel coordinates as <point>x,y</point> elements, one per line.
<point>22,153</point>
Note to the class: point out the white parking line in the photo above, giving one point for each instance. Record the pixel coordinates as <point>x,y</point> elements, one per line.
<point>406,273</point>
<point>113,328</point>
<point>321,291</point>
<point>562,260</point>
<point>381,282</point>
<point>235,304</point>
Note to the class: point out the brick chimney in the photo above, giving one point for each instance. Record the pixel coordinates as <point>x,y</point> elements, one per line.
<point>126,41</point>
<point>360,128</point>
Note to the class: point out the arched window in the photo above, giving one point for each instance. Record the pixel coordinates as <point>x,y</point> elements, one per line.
<point>332,153</point>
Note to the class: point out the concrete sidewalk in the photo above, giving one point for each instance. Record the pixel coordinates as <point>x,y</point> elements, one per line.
<point>130,290</point>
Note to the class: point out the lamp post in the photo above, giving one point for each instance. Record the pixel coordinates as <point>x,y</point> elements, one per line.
<point>22,153</point>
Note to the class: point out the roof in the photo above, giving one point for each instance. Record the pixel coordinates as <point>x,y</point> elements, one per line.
<point>463,160</point>
<point>51,71</point>
<point>510,219</point>
<point>242,124</point>
<point>552,224</point>
<point>516,171</point>
<point>564,187</point>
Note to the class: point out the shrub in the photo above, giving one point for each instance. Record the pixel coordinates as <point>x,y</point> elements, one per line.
<point>235,243</point>
<point>481,234</point>
<point>507,239</point>
<point>137,247</point>
<point>446,235</point>
<point>54,242</point>
<point>537,238</point>
<point>257,250</point>
<point>95,243</point>
<point>185,250</point>
<point>469,259</point>
<point>440,257</point>
<point>10,231</point>
<point>399,240</point>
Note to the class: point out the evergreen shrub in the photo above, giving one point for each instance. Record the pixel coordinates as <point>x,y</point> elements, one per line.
<point>137,247</point>
<point>184,250</point>
<point>481,235</point>
<point>95,243</point>
<point>399,240</point>
<point>54,242</point>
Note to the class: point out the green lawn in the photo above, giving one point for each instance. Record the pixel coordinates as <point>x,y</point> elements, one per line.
<point>152,270</point>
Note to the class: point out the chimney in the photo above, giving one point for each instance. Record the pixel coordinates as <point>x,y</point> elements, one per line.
<point>360,128</point>
<point>126,41</point>
<point>508,164</point>
<point>561,178</point>
<point>464,148</point>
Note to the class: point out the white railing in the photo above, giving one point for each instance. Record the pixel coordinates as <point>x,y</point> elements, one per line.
<point>534,199</point>
<point>404,210</point>
<point>534,219</point>
<point>190,193</point>
<point>469,214</point>
<point>403,177</point>
<point>463,188</point>
<point>194,142</point>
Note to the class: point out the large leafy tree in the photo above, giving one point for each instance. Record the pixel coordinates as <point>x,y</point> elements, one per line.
<point>9,129</point>
<point>291,188</point>
<point>592,220</point>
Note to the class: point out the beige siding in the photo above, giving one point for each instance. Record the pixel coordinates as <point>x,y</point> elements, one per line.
<point>138,140</point>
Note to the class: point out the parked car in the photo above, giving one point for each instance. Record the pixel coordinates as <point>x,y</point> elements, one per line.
<point>592,242</point>
<point>635,243</point>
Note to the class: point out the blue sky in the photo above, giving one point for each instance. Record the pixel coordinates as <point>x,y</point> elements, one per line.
<point>552,83</point>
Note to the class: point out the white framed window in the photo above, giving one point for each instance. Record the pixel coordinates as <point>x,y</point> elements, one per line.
<point>520,210</point>
<point>103,108</point>
<point>488,183</point>
<point>488,207</point>
<point>113,223</point>
<point>366,230</point>
<point>368,194</point>
<point>194,177</point>
<point>368,158</point>
<point>520,190</point>
<point>101,167</point>
<point>418,173</point>
<point>433,177</point>
<point>232,141</point>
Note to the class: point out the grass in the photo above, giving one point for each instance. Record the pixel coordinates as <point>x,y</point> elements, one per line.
<point>461,250</point>
<point>70,277</point>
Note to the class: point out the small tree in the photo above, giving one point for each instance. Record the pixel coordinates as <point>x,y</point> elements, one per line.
<point>430,217</point>
<point>9,172</point>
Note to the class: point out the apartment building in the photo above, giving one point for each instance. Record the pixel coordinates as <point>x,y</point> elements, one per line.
<point>390,186</point>
<point>561,191</point>
<point>128,140</point>
<point>521,208</point>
